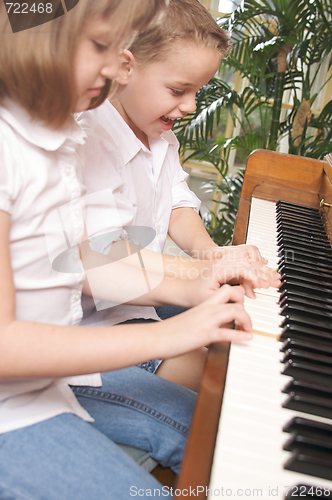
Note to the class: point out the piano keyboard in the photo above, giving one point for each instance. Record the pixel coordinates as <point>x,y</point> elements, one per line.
<point>249,457</point>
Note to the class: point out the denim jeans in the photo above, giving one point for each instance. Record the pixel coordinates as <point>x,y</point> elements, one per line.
<point>165,312</point>
<point>151,365</point>
<point>65,458</point>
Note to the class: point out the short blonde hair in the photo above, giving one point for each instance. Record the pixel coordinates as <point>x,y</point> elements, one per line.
<point>36,65</point>
<point>183,20</point>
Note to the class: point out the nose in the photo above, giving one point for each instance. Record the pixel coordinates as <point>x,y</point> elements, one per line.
<point>111,67</point>
<point>188,104</point>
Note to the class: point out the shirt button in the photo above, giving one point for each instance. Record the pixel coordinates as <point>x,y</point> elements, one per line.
<point>78,212</point>
<point>77,296</point>
<point>76,256</point>
<point>68,170</point>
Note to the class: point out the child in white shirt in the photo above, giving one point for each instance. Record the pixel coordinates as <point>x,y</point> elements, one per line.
<point>132,151</point>
<point>54,444</point>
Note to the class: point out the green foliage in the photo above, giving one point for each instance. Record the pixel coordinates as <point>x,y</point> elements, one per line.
<point>220,227</point>
<point>277,46</point>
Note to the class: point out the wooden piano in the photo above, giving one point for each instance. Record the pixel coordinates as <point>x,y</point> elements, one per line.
<point>235,446</point>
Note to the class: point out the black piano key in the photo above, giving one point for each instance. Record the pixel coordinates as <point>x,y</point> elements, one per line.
<point>306,491</point>
<point>310,398</point>
<point>294,332</point>
<point>304,220</point>
<point>290,214</point>
<point>301,220</point>
<point>306,403</point>
<point>306,346</point>
<point>284,222</point>
<point>306,387</point>
<point>294,215</point>
<point>305,425</point>
<point>291,255</point>
<point>301,231</point>
<point>312,463</point>
<point>308,323</point>
<point>310,250</point>
<point>312,226</point>
<point>312,372</point>
<point>298,258</point>
<point>306,296</point>
<point>300,302</point>
<point>299,355</point>
<point>288,205</point>
<point>307,251</point>
<point>287,230</point>
<point>307,443</point>
<point>311,247</point>
<point>301,253</point>
<point>307,272</point>
<point>320,277</point>
<point>305,280</point>
<point>309,404</point>
<point>316,240</point>
<point>293,311</point>
<point>290,284</point>
<point>323,257</point>
<point>313,229</point>
<point>325,271</point>
<point>299,262</point>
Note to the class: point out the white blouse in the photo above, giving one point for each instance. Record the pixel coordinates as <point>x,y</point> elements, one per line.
<point>146,186</point>
<point>41,189</point>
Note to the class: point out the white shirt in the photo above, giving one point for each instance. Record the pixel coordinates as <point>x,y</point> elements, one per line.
<point>40,188</point>
<point>146,185</point>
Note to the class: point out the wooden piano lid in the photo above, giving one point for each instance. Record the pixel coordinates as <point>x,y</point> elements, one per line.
<point>278,176</point>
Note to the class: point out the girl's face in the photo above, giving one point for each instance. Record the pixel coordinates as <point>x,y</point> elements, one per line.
<point>153,96</point>
<point>96,60</point>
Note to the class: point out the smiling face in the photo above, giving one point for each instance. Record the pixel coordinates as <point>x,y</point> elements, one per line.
<point>151,97</point>
<point>96,60</point>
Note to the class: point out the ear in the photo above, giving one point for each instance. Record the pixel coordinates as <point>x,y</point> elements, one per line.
<point>127,64</point>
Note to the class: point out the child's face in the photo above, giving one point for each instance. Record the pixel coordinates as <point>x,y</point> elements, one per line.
<point>96,60</point>
<point>160,92</point>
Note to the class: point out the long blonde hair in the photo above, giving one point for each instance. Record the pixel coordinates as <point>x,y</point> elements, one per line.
<point>36,65</point>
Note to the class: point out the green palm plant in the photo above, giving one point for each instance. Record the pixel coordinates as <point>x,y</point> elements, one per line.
<point>277,46</point>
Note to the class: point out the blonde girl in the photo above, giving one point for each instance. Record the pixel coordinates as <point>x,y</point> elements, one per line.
<point>58,433</point>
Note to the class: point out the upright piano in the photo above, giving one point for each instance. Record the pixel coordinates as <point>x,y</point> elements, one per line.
<point>262,427</point>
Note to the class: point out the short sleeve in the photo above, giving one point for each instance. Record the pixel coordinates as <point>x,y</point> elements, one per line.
<point>182,196</point>
<point>7,173</point>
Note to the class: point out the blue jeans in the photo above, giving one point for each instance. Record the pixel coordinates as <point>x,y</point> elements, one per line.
<point>165,312</point>
<point>65,458</point>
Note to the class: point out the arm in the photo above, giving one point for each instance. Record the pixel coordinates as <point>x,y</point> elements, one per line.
<point>187,230</point>
<point>32,349</point>
<point>132,275</point>
<point>120,278</point>
<point>173,266</point>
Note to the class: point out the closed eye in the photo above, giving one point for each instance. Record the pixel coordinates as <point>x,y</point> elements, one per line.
<point>100,46</point>
<point>177,92</point>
